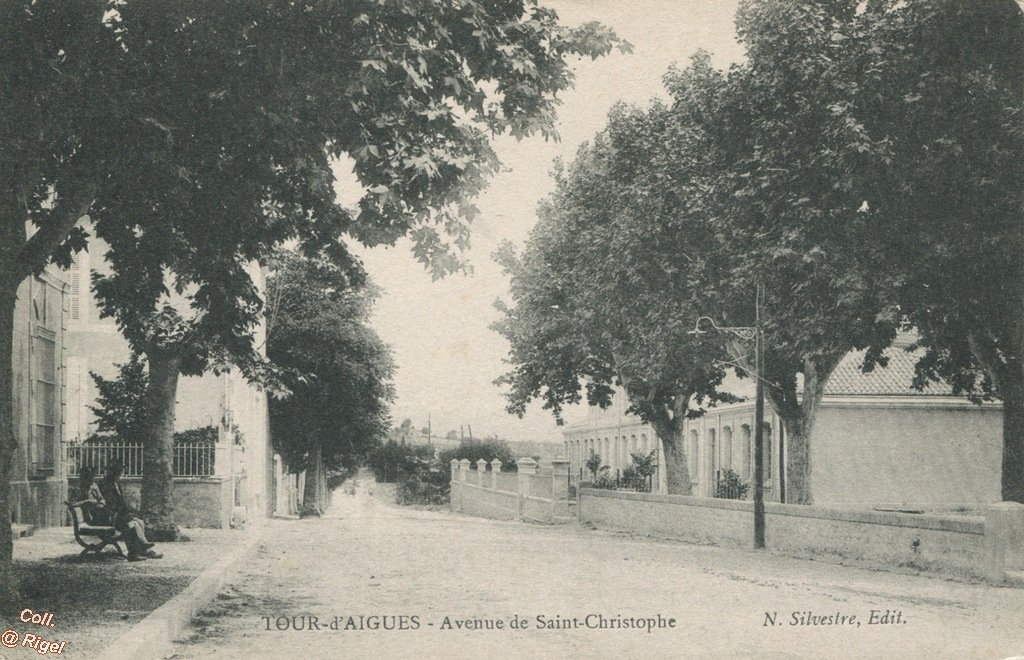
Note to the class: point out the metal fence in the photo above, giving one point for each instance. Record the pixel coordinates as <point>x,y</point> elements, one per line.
<point>188,459</point>
<point>729,485</point>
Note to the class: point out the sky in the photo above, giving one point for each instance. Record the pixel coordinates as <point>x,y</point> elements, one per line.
<point>446,354</point>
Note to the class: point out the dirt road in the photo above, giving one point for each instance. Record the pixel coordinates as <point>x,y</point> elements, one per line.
<point>388,582</point>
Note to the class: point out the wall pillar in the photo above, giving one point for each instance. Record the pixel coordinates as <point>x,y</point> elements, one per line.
<point>1004,539</point>
<point>527,468</point>
<point>559,489</point>
<point>495,469</point>
<point>481,472</point>
<point>456,487</point>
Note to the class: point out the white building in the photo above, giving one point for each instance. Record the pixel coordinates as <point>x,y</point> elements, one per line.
<point>876,442</point>
<point>234,480</point>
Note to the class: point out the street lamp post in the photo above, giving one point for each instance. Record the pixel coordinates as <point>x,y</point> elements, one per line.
<point>747,333</point>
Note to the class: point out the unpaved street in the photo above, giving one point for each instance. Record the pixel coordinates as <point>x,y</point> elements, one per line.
<point>368,559</point>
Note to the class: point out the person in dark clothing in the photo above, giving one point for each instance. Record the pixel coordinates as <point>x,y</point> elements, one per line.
<point>132,527</point>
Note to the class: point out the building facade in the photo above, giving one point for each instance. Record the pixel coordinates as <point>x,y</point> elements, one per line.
<point>39,383</point>
<point>877,443</point>
<point>235,482</point>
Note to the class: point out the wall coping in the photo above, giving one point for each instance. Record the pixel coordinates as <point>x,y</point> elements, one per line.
<point>488,488</point>
<point>887,518</point>
<point>213,478</point>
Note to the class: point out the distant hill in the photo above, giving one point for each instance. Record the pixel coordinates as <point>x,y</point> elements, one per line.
<point>546,450</point>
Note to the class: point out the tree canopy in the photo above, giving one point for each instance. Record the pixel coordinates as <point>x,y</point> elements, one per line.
<point>338,370</point>
<point>198,136</point>
<point>862,163</point>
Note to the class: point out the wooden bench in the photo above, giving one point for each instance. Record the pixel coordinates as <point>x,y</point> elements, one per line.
<point>104,534</point>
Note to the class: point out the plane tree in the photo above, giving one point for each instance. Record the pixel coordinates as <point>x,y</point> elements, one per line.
<point>787,188</point>
<point>196,137</point>
<point>942,103</point>
<point>337,370</point>
<point>605,293</point>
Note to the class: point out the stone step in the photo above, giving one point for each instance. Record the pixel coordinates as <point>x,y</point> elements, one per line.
<point>19,530</point>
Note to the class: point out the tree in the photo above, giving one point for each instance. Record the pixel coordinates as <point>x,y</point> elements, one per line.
<point>786,204</point>
<point>339,371</point>
<point>605,292</point>
<point>941,107</point>
<point>594,463</point>
<point>120,402</point>
<point>206,133</point>
<point>54,59</point>
<point>644,466</point>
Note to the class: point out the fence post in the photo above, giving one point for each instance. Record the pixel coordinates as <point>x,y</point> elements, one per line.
<point>559,490</point>
<point>527,468</point>
<point>456,487</point>
<point>1004,538</point>
<point>481,472</point>
<point>495,469</point>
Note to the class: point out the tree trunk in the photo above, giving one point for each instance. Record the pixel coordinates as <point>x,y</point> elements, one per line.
<point>798,419</point>
<point>798,457</point>
<point>311,504</point>
<point>158,447</point>
<point>1008,377</point>
<point>8,445</point>
<point>1012,483</point>
<point>677,469</point>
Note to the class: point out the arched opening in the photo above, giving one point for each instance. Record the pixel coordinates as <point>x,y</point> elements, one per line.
<point>746,451</point>
<point>692,455</point>
<point>712,451</point>
<point>726,447</point>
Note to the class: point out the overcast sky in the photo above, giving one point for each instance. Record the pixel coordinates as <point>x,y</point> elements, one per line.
<point>446,354</point>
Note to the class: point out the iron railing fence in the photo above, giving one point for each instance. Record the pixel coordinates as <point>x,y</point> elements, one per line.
<point>188,459</point>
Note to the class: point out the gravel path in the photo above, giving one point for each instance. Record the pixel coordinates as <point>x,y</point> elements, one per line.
<point>370,559</point>
<point>96,600</point>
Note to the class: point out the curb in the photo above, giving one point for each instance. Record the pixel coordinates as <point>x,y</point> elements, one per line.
<point>153,637</point>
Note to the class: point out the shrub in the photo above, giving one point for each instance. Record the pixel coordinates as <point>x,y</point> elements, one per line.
<point>730,486</point>
<point>605,479</point>
<point>391,461</point>
<point>474,450</point>
<point>426,486</point>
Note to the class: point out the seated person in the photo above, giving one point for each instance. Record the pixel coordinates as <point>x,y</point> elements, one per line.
<point>93,506</point>
<point>112,506</point>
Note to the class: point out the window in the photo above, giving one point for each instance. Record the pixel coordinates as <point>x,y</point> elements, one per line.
<point>693,458</point>
<point>727,448</point>
<point>746,451</point>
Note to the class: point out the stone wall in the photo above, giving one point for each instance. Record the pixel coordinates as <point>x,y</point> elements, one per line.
<point>198,501</point>
<point>530,494</point>
<point>962,546</point>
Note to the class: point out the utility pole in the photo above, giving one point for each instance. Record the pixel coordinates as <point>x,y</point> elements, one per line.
<point>758,424</point>
<point>755,333</point>
<point>429,430</point>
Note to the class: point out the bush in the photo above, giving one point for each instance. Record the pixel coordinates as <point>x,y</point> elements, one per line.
<point>730,486</point>
<point>427,486</point>
<point>474,450</point>
<point>605,480</point>
<point>391,462</point>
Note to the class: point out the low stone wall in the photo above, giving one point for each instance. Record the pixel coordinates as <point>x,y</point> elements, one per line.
<point>965,547</point>
<point>38,502</point>
<point>198,501</point>
<point>525,495</point>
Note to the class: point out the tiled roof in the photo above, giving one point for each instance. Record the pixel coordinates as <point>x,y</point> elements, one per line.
<point>893,379</point>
